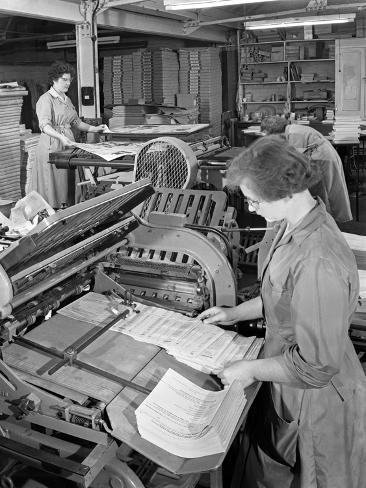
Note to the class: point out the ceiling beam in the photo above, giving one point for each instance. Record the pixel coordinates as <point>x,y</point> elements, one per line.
<point>64,11</point>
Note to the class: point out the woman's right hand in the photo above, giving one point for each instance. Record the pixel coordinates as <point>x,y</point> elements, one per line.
<point>66,141</point>
<point>219,315</point>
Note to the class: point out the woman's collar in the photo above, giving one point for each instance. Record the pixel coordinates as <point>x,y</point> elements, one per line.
<point>55,94</point>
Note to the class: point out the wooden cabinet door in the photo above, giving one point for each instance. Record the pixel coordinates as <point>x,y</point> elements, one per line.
<point>350,81</point>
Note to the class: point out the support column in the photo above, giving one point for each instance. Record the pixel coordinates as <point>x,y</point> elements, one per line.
<point>87,61</point>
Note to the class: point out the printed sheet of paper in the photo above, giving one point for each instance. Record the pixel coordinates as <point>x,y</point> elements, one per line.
<point>204,347</point>
<point>92,307</point>
<point>159,129</point>
<point>187,420</point>
<point>168,329</point>
<point>110,150</point>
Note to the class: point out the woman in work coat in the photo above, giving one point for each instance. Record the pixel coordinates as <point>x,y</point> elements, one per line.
<point>57,119</point>
<point>307,426</point>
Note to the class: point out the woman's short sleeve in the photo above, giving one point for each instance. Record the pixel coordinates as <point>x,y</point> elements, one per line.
<point>74,119</point>
<point>44,111</point>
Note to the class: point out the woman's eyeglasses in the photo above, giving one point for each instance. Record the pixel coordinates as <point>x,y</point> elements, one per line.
<point>67,80</point>
<point>252,203</point>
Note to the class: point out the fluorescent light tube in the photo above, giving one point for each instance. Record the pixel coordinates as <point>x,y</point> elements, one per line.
<point>72,42</point>
<point>299,21</point>
<point>188,5</point>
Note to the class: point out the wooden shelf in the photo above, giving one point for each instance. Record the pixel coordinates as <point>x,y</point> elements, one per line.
<point>309,60</point>
<point>319,81</point>
<point>266,103</point>
<point>255,51</point>
<point>308,40</point>
<point>284,42</point>
<point>311,101</point>
<point>285,61</point>
<point>252,63</point>
<point>264,83</point>
<point>244,44</point>
<point>284,82</point>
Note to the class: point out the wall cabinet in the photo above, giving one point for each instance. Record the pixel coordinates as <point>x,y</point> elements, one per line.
<point>292,75</point>
<point>350,80</point>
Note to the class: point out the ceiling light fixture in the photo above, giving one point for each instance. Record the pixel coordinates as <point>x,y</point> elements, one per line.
<point>72,42</point>
<point>193,4</point>
<point>299,21</point>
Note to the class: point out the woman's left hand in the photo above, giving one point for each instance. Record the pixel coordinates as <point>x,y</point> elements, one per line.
<point>239,370</point>
<point>98,128</point>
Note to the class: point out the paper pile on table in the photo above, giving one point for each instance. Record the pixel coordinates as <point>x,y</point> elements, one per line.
<point>187,420</point>
<point>346,129</point>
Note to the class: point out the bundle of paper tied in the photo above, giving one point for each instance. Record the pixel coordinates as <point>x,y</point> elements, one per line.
<point>187,420</point>
<point>204,347</point>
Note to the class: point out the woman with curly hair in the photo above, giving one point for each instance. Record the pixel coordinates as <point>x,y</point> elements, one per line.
<point>57,118</point>
<point>307,426</point>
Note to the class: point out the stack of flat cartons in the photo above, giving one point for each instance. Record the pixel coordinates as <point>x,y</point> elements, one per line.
<point>107,80</point>
<point>200,75</point>
<point>28,147</point>
<point>11,101</point>
<point>127,115</point>
<point>137,85</point>
<point>184,71</point>
<point>147,72</point>
<point>118,80</point>
<point>126,78</point>
<point>165,76</point>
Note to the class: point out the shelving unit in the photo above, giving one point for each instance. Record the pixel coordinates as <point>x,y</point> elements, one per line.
<point>290,74</point>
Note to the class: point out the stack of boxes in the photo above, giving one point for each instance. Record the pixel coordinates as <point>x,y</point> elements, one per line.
<point>118,79</point>
<point>165,76</point>
<point>127,77</point>
<point>11,102</point>
<point>137,87</point>
<point>107,80</point>
<point>147,86</point>
<point>200,75</point>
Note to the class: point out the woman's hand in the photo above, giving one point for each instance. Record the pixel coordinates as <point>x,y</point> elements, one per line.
<point>239,370</point>
<point>98,128</point>
<point>219,315</point>
<point>66,141</point>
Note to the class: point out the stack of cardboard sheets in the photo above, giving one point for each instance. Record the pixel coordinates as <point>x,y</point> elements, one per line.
<point>11,100</point>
